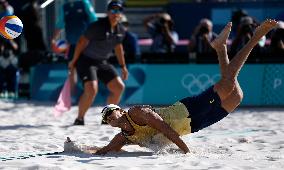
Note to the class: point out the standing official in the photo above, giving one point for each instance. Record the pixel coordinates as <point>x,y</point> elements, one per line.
<point>90,59</point>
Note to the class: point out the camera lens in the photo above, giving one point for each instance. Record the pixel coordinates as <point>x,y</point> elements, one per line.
<point>162,20</point>
<point>204,30</point>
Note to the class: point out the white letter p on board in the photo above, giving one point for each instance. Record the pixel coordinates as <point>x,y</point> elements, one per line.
<point>277,82</point>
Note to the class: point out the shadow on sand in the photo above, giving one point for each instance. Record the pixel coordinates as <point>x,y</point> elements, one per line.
<point>118,154</point>
<point>15,127</point>
<point>56,155</point>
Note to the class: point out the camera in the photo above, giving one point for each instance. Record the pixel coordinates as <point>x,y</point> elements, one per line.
<point>160,24</point>
<point>203,30</point>
<point>247,28</point>
<point>280,33</point>
<point>162,21</point>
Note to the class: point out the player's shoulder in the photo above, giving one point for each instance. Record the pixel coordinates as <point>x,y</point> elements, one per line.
<point>140,108</point>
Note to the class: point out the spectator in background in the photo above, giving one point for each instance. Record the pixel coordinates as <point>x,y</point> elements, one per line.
<point>33,31</point>
<point>276,47</point>
<point>237,15</point>
<point>130,43</point>
<point>8,68</point>
<point>244,33</point>
<point>91,55</point>
<point>161,28</point>
<point>36,48</point>
<point>8,59</point>
<point>5,9</point>
<point>201,38</point>
<point>74,18</point>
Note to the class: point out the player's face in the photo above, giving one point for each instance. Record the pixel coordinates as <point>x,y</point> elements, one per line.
<point>113,118</point>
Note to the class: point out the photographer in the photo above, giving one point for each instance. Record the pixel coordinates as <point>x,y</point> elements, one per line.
<point>244,34</point>
<point>8,68</point>
<point>160,27</point>
<point>276,47</point>
<point>201,38</point>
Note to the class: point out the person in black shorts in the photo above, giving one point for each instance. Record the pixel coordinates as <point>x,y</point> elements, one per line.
<point>90,59</point>
<point>145,126</point>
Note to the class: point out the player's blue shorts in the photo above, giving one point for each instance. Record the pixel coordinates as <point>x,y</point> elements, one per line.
<point>204,109</point>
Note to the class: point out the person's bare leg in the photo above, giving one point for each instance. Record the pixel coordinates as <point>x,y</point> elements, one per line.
<point>240,58</point>
<point>219,43</point>
<point>234,99</point>
<point>229,77</point>
<point>73,81</point>
<point>87,98</point>
<point>224,87</point>
<point>116,88</point>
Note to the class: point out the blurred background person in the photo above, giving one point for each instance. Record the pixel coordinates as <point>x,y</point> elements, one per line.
<point>91,59</point>
<point>5,8</point>
<point>8,68</point>
<point>36,47</point>
<point>74,18</point>
<point>161,28</point>
<point>8,59</point>
<point>237,15</point>
<point>276,47</point>
<point>130,43</point>
<point>200,40</point>
<point>244,33</point>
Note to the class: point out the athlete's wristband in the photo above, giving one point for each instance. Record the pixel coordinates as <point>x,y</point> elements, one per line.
<point>122,66</point>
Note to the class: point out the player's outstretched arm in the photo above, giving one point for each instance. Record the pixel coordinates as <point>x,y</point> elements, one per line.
<point>114,145</point>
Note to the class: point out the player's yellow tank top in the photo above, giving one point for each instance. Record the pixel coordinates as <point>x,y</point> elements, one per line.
<point>175,115</point>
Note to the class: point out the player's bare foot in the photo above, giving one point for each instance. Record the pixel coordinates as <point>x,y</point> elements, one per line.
<point>221,40</point>
<point>263,29</point>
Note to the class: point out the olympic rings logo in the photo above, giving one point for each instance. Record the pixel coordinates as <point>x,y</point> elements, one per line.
<point>197,84</point>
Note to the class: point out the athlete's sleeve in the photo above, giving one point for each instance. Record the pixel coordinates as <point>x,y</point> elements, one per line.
<point>60,24</point>
<point>90,11</point>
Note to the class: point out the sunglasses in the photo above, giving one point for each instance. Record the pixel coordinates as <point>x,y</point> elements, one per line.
<point>115,11</point>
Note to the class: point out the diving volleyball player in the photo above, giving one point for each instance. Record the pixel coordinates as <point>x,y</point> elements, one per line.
<point>144,125</point>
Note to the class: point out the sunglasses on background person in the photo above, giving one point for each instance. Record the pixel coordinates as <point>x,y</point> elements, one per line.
<point>115,11</point>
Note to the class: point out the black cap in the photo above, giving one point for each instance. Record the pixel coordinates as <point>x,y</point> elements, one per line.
<point>115,4</point>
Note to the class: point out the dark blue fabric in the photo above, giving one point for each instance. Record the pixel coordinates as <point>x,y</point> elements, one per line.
<point>8,79</point>
<point>130,45</point>
<point>204,109</point>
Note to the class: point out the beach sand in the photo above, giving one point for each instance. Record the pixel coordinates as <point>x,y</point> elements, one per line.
<point>30,137</point>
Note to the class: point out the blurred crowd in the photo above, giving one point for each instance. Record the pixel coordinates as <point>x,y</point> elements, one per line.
<point>270,48</point>
<point>15,62</point>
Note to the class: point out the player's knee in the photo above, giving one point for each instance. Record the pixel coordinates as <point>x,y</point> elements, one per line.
<point>118,88</point>
<point>239,95</point>
<point>91,91</point>
<point>229,85</point>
